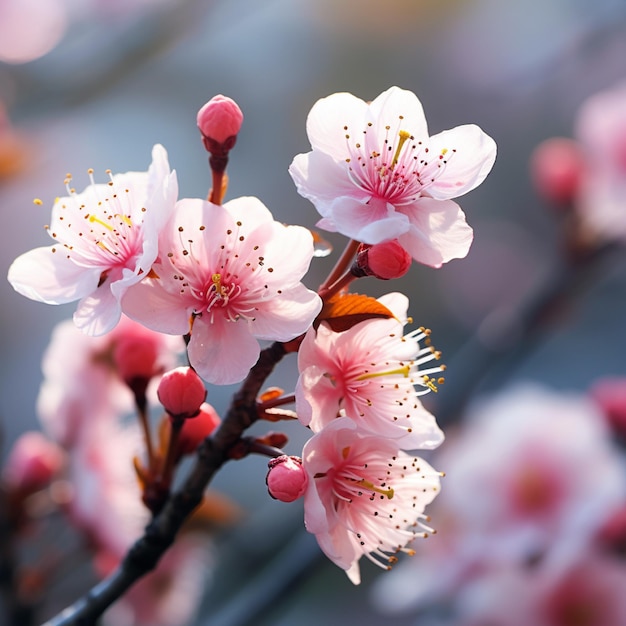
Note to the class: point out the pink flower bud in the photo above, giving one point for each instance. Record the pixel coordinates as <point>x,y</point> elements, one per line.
<point>383,260</point>
<point>556,167</point>
<point>219,120</point>
<point>181,392</point>
<point>194,431</point>
<point>135,358</point>
<point>610,395</point>
<point>32,463</point>
<point>286,479</point>
<point>612,534</point>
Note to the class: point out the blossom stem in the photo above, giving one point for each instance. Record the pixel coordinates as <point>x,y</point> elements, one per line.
<point>145,427</point>
<point>216,194</point>
<point>343,263</point>
<point>274,402</point>
<point>161,532</point>
<point>172,449</point>
<point>337,286</point>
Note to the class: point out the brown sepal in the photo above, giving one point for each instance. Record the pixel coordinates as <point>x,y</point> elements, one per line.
<point>343,311</point>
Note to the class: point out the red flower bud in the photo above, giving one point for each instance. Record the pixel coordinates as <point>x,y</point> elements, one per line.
<point>135,358</point>
<point>32,463</point>
<point>385,260</point>
<point>219,121</point>
<point>556,167</point>
<point>286,479</point>
<point>193,432</point>
<point>610,396</point>
<point>181,392</point>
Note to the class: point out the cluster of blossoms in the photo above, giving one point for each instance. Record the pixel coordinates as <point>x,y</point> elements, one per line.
<point>586,175</point>
<point>227,276</point>
<point>532,519</point>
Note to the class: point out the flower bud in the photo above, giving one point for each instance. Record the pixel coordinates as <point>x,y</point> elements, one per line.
<point>135,358</point>
<point>32,463</point>
<point>385,260</point>
<point>557,166</point>
<point>219,121</point>
<point>612,533</point>
<point>610,396</point>
<point>194,431</point>
<point>181,392</point>
<point>286,479</point>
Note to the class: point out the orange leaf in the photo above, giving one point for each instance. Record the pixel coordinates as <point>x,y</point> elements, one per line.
<point>344,311</point>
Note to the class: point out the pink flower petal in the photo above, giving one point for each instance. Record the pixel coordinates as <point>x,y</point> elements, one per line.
<point>222,352</point>
<point>438,232</point>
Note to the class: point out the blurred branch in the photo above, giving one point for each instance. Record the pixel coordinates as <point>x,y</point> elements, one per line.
<point>161,532</point>
<point>76,75</point>
<point>17,612</point>
<point>505,335</point>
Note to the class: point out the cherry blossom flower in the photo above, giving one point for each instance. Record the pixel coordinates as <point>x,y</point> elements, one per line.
<point>364,497</point>
<point>601,132</point>
<point>532,480</point>
<point>83,375</point>
<point>228,275</point>
<point>32,463</point>
<point>370,371</point>
<point>374,174</point>
<point>105,501</point>
<point>531,474</point>
<point>107,240</point>
<point>586,590</point>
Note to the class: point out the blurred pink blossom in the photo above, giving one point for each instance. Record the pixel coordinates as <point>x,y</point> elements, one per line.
<point>601,130</point>
<point>170,595</point>
<point>105,501</point>
<point>82,383</point>
<point>32,463</point>
<point>587,590</point>
<point>531,474</point>
<point>29,29</point>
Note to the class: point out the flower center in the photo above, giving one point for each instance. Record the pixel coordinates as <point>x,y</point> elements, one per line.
<point>219,295</point>
<point>95,228</point>
<point>399,171</point>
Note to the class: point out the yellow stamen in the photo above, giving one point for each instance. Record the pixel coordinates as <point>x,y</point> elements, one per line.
<point>219,288</point>
<point>430,383</point>
<point>124,219</point>
<point>404,370</point>
<point>404,135</point>
<point>368,485</point>
<point>37,201</point>
<point>93,218</point>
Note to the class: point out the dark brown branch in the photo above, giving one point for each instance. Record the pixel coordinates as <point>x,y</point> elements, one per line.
<point>161,532</point>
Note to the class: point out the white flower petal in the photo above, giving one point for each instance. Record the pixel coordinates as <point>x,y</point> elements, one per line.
<point>328,118</point>
<point>51,277</point>
<point>470,155</point>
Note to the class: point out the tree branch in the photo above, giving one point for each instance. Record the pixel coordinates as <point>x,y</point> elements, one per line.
<point>161,532</point>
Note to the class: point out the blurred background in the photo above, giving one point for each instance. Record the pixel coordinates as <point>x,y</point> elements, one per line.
<point>95,83</point>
